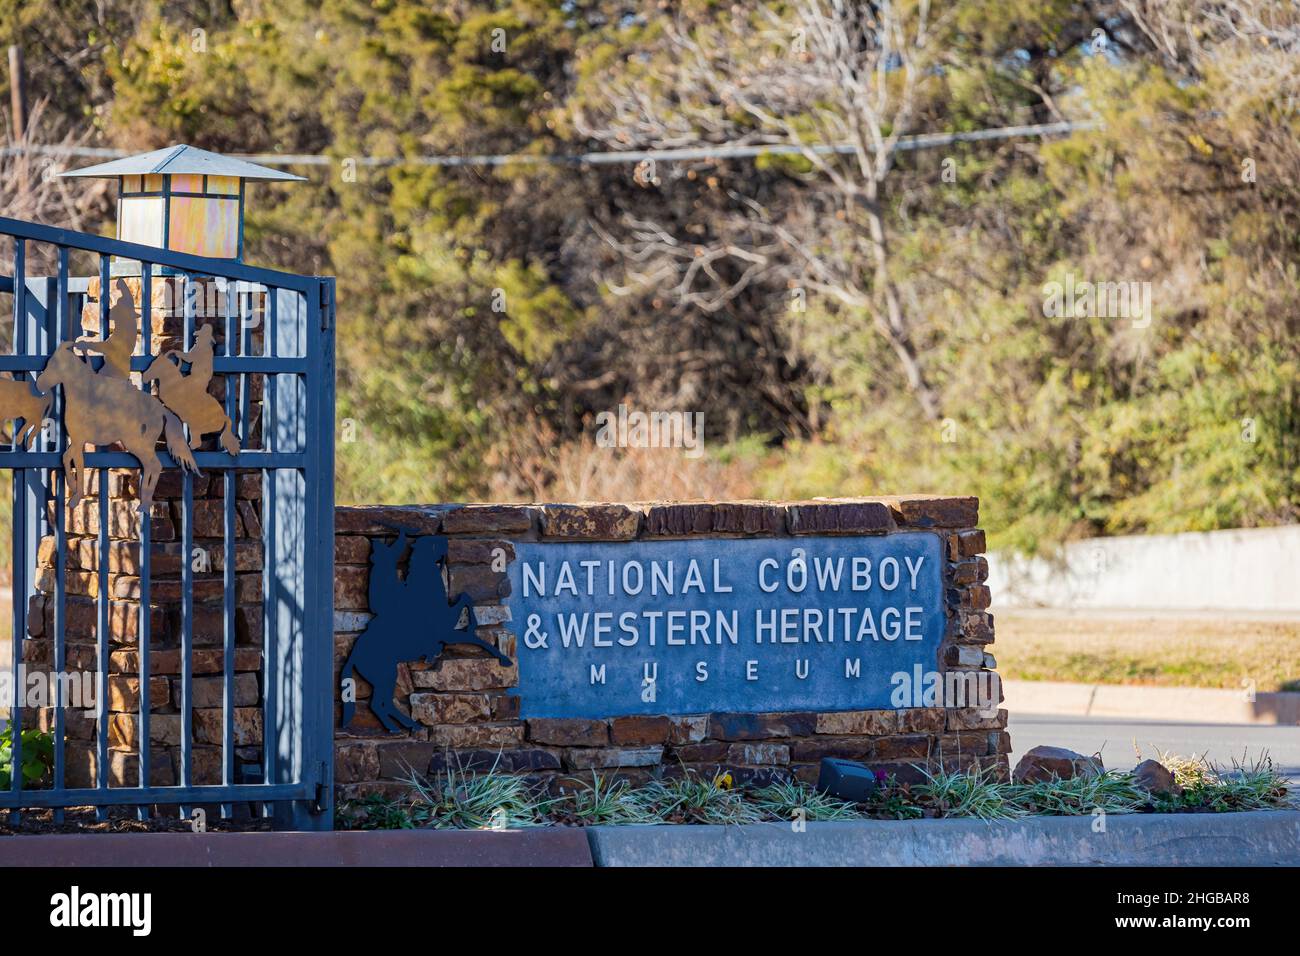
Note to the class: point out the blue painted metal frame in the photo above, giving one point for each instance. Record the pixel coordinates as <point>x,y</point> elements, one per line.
<point>296,462</point>
<point>183,262</point>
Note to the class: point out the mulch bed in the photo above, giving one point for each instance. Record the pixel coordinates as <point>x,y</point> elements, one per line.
<point>82,820</point>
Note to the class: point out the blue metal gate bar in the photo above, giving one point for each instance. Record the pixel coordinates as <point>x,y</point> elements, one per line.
<point>62,334</point>
<point>120,459</point>
<point>187,573</point>
<point>319,676</point>
<point>144,632</point>
<point>18,569</point>
<point>269,424</point>
<point>229,486</point>
<point>290,366</point>
<point>180,262</point>
<point>144,796</point>
<point>101,748</point>
<point>102,476</point>
<point>295,462</point>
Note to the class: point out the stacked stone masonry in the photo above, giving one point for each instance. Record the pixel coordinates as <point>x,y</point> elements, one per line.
<point>466,715</point>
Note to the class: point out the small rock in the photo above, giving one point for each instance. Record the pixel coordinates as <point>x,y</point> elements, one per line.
<point>1043,763</point>
<point>1154,777</point>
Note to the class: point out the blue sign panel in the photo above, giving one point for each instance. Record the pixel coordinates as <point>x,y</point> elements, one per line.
<point>727,626</point>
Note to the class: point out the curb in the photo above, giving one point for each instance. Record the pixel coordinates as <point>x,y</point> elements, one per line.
<point>552,846</point>
<point>1198,705</point>
<point>1254,838</point>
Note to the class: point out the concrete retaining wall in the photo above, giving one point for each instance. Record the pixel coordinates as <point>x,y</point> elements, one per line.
<point>1259,838</point>
<point>1243,570</point>
<point>1136,702</point>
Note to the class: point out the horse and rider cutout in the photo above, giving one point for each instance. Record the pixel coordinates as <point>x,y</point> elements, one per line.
<point>412,620</point>
<point>103,407</point>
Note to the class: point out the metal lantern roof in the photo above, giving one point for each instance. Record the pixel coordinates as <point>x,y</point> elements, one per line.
<point>183,160</point>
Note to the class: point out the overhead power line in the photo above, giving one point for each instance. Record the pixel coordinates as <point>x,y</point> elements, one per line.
<point>705,152</point>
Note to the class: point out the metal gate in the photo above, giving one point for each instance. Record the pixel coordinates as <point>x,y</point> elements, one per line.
<point>270,328</point>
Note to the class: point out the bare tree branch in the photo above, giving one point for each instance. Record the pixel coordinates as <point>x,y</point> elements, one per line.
<point>820,71</point>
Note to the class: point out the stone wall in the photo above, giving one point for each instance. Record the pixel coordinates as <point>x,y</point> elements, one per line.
<point>466,716</point>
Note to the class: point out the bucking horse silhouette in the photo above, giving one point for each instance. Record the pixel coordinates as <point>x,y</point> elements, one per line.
<point>413,620</point>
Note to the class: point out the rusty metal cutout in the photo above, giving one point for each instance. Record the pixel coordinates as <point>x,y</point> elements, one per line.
<point>103,406</point>
<point>118,346</point>
<point>413,620</point>
<point>20,401</point>
<point>187,395</point>
<point>99,408</point>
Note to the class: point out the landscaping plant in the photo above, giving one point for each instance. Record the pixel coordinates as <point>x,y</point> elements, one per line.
<point>694,798</point>
<point>1111,792</point>
<point>606,803</point>
<point>461,799</point>
<point>458,799</point>
<point>976,792</point>
<point>1206,787</point>
<point>37,756</point>
<point>793,800</point>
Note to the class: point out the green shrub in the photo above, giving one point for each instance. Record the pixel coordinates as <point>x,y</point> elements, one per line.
<point>1110,792</point>
<point>37,756</point>
<point>970,793</point>
<point>1254,786</point>
<point>377,812</point>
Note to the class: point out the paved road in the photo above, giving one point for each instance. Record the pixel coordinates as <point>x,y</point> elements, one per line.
<point>1114,739</point>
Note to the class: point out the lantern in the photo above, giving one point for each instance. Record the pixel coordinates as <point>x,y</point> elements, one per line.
<point>183,199</point>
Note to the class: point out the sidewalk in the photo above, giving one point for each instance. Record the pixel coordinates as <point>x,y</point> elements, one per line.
<point>1192,704</point>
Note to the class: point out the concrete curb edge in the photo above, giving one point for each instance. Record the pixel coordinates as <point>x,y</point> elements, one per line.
<point>1256,838</point>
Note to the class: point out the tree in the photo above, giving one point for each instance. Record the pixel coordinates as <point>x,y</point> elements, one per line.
<point>810,75</point>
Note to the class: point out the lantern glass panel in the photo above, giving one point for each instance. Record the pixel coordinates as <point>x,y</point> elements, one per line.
<point>140,219</point>
<point>153,184</point>
<point>223,185</point>
<point>204,226</point>
<point>130,184</point>
<point>187,183</point>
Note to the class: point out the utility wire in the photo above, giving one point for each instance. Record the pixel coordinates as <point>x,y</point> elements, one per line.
<point>724,151</point>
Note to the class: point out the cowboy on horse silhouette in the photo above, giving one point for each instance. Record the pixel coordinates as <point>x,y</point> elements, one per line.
<point>103,407</point>
<point>413,620</point>
<point>117,346</point>
<point>187,395</point>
